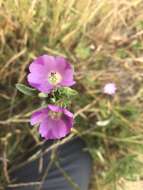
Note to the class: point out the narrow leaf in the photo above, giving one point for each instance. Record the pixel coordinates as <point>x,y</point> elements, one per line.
<point>26,90</point>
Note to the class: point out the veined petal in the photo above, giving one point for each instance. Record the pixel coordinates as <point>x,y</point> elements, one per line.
<point>54,108</point>
<point>67,78</point>
<point>67,83</point>
<point>61,129</point>
<point>62,64</point>
<point>43,129</point>
<point>45,87</point>
<point>68,113</point>
<point>35,67</point>
<point>32,78</point>
<point>49,62</point>
<point>38,116</point>
<point>46,129</point>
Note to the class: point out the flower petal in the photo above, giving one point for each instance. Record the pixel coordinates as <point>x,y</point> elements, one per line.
<point>54,129</point>
<point>39,82</point>
<point>49,62</point>
<point>46,127</point>
<point>68,78</point>
<point>58,129</point>
<point>43,129</point>
<point>38,116</point>
<point>35,67</point>
<point>68,113</point>
<point>66,71</point>
<point>62,64</point>
<point>35,78</point>
<point>55,108</point>
<point>45,87</point>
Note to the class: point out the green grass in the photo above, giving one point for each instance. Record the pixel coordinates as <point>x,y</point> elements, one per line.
<point>103,40</point>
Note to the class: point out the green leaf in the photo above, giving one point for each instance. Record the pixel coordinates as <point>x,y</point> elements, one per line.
<point>67,91</point>
<point>26,90</point>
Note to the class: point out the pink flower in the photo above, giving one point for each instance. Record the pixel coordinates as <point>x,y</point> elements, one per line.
<point>49,72</point>
<point>55,122</point>
<point>110,89</point>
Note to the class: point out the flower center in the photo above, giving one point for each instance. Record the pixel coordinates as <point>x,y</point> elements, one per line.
<point>55,115</point>
<point>54,78</point>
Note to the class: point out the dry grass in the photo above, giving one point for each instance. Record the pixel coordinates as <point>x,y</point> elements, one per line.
<point>104,41</point>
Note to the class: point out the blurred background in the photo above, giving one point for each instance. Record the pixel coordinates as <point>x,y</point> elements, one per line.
<point>103,39</point>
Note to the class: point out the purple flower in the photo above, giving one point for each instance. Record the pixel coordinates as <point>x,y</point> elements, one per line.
<point>48,72</point>
<point>110,88</point>
<point>55,122</point>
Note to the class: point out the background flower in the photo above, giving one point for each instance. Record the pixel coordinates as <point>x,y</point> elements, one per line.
<point>110,88</point>
<point>55,122</point>
<point>48,72</point>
